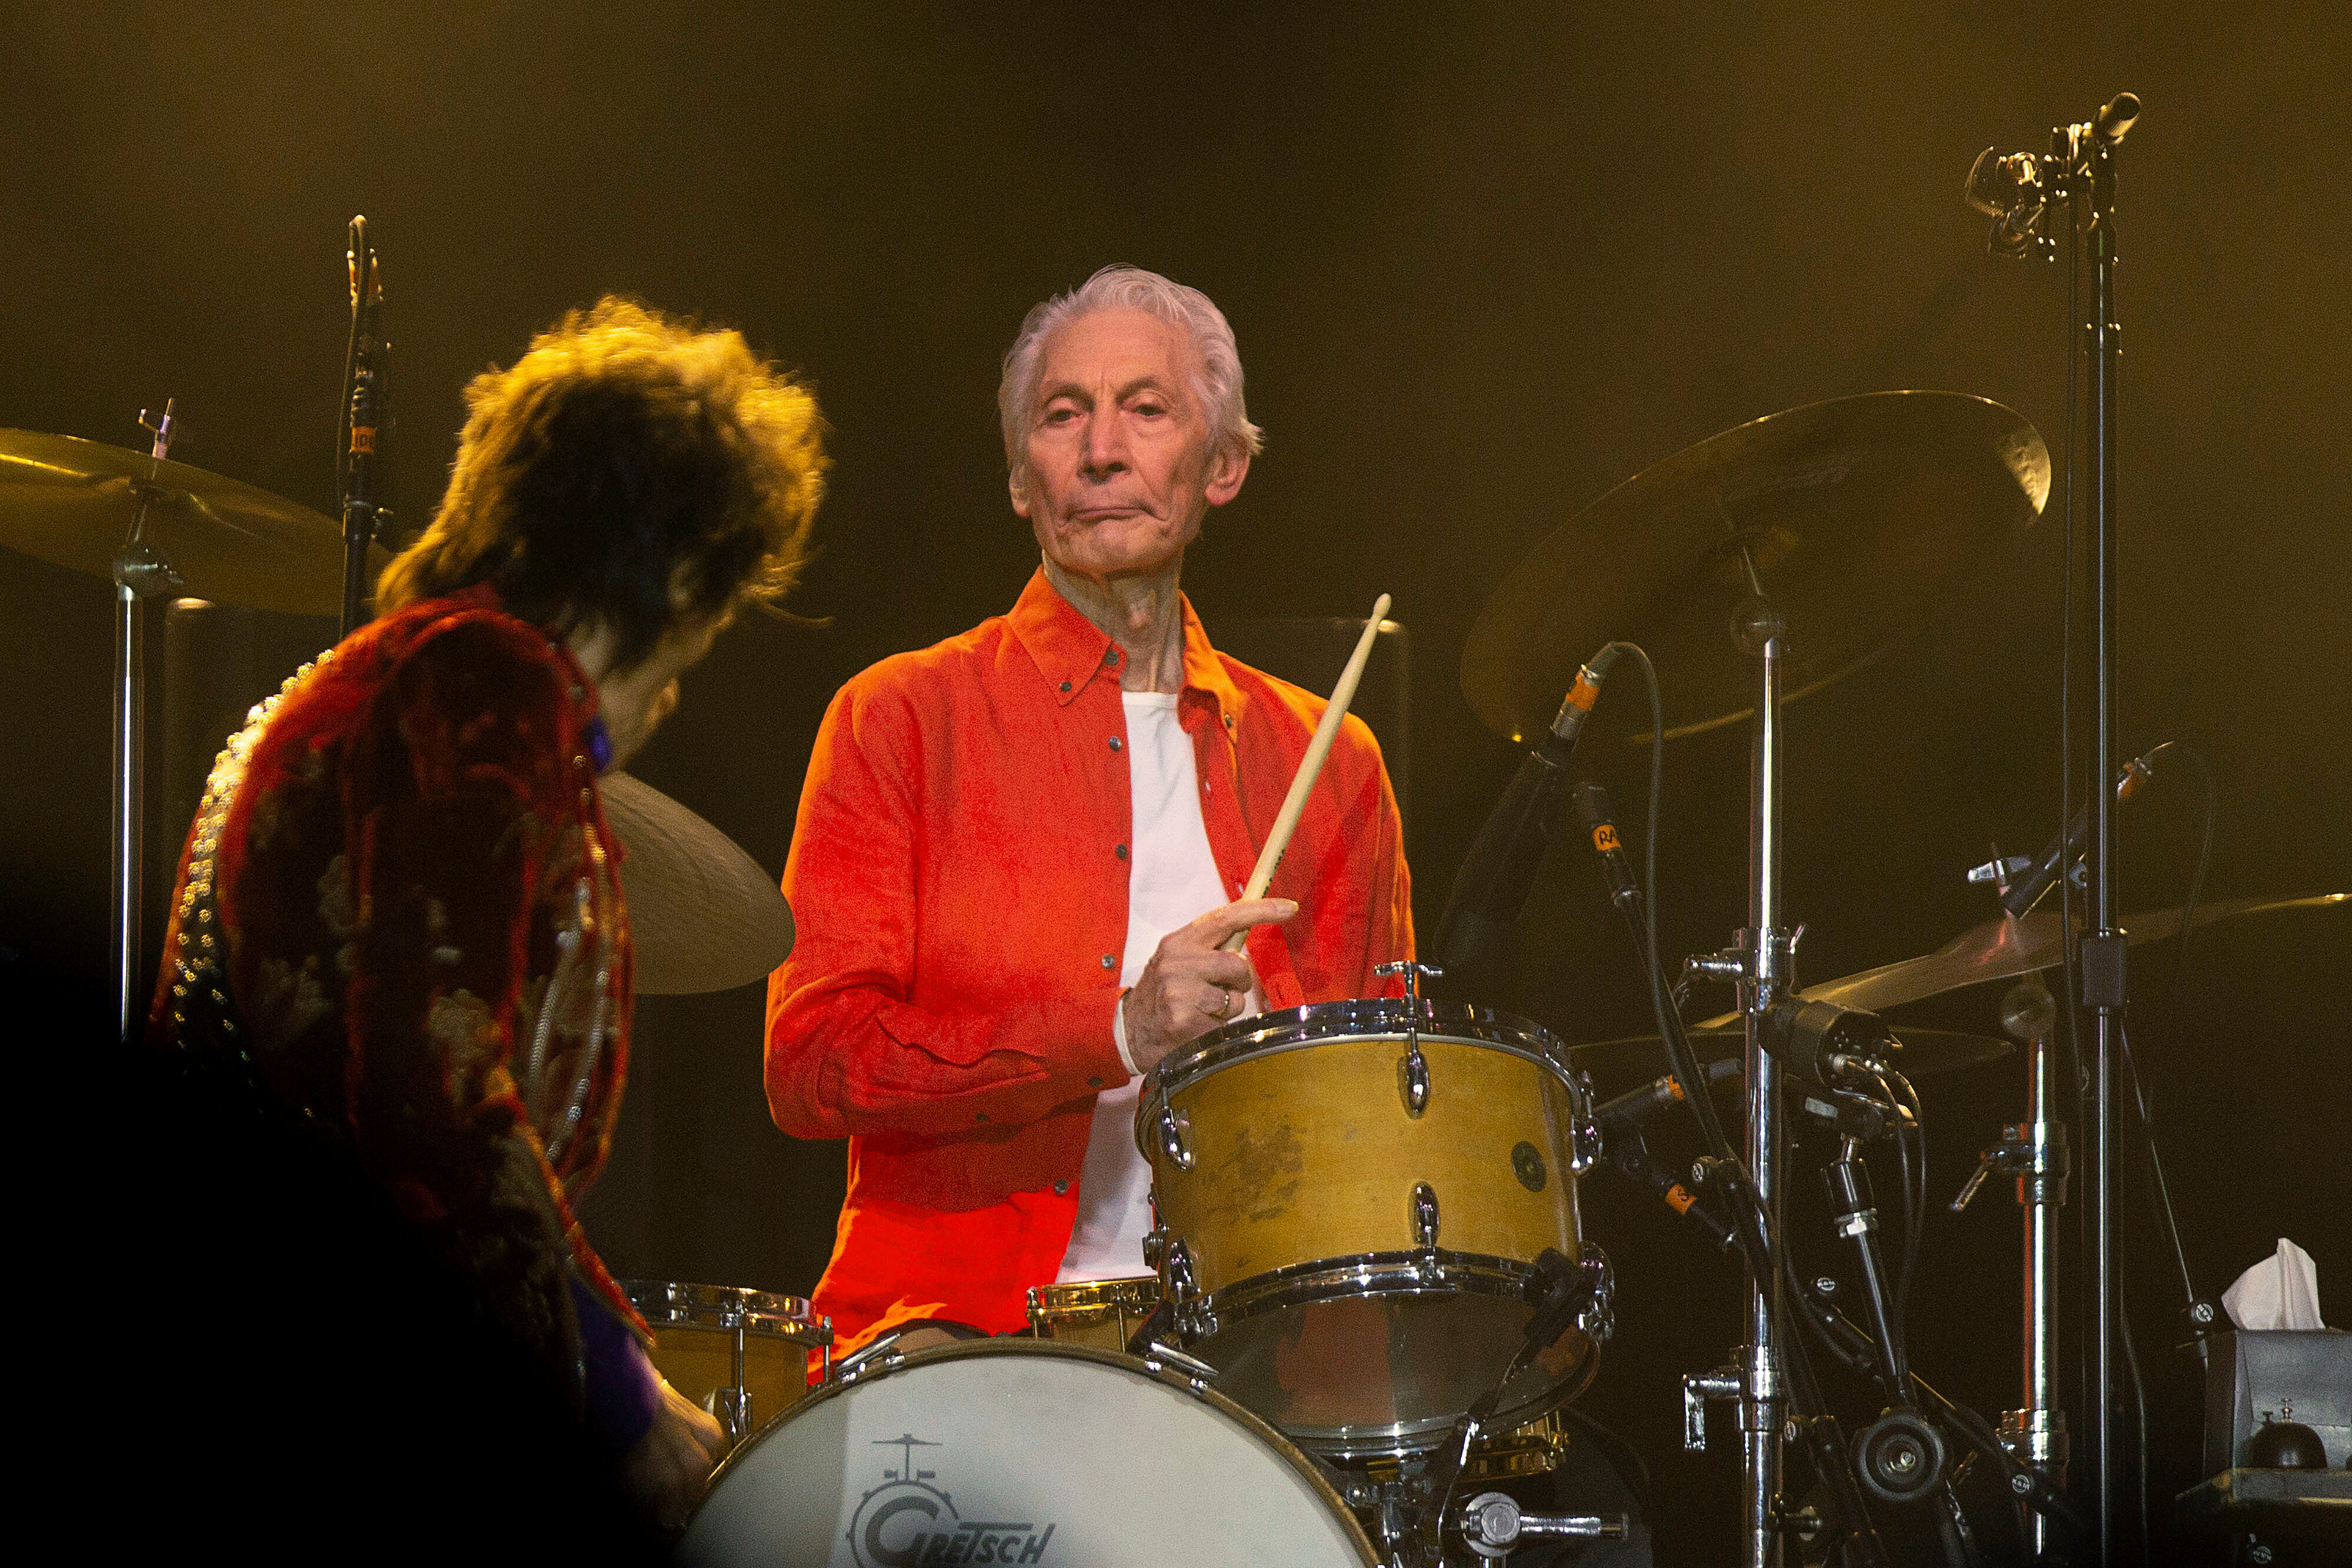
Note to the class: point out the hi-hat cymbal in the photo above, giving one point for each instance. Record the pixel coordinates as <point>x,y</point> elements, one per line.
<point>72,503</point>
<point>2004,948</point>
<point>1856,515</point>
<point>702,914</point>
<point>1918,1053</point>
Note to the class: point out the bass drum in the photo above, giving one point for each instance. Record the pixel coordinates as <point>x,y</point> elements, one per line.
<point>1021,1451</point>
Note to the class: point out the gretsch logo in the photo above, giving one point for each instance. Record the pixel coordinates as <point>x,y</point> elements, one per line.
<point>907,1521</point>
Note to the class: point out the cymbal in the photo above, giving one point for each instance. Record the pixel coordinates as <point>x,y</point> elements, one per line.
<point>1855,513</point>
<point>72,502</point>
<point>702,914</point>
<point>2004,948</point>
<point>1920,1053</point>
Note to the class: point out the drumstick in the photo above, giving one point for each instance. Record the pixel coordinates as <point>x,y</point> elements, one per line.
<point>1310,765</point>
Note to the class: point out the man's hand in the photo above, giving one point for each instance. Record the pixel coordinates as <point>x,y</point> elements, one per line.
<point>666,1473</point>
<point>1190,986</point>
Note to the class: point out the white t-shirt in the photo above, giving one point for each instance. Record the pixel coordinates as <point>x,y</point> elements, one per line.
<point>1172,879</point>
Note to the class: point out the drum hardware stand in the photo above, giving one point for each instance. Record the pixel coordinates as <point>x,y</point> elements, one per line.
<point>140,571</point>
<point>1493,1523</point>
<point>2080,166</point>
<point>367,397</point>
<point>1760,962</point>
<point>2035,1152</point>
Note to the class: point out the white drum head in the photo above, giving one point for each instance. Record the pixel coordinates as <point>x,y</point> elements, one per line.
<point>1023,1452</point>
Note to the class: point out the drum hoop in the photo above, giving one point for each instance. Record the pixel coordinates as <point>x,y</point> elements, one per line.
<point>1307,1466</point>
<point>1374,1018</point>
<point>722,1308</point>
<point>1388,1275</point>
<point>1408,1439</point>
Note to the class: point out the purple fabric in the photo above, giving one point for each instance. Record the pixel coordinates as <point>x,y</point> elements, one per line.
<point>600,744</point>
<point>623,1390</point>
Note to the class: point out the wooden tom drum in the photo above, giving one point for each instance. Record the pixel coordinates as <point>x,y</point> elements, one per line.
<point>743,1355</point>
<point>1351,1199</point>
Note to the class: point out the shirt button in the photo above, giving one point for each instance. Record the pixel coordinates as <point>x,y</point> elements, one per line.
<point>1110,657</point>
<point>1120,851</point>
<point>1093,1082</point>
<point>1117,743</point>
<point>1061,1189</point>
<point>1110,961</point>
<point>980,1117</point>
<point>1065,685</point>
<point>1229,721</point>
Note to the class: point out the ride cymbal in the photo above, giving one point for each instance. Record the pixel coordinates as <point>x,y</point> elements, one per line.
<point>702,914</point>
<point>2004,948</point>
<point>72,503</point>
<point>1852,514</point>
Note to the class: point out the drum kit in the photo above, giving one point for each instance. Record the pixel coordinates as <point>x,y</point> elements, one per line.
<point>1370,1302</point>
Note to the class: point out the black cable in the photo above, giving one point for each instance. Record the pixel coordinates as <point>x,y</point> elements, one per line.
<point>2139,1413</point>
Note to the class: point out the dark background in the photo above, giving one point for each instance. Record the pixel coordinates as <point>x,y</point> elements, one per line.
<point>1484,262</point>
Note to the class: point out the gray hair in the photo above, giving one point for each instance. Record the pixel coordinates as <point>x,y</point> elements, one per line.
<point>1122,288</point>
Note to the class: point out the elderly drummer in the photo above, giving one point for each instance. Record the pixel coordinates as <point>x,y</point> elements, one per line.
<point>1020,852</point>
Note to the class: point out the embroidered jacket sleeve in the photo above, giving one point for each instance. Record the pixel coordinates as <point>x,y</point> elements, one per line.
<point>457,984</point>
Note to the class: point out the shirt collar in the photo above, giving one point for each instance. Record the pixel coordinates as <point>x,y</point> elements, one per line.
<point>1071,651</point>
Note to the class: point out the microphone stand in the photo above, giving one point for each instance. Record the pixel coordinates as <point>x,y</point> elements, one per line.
<point>364,397</point>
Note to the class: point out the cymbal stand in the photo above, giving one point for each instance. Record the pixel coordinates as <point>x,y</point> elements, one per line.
<point>140,571</point>
<point>2035,1152</point>
<point>1759,961</point>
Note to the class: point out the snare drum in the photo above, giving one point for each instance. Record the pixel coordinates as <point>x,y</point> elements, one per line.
<point>741,1355</point>
<point>1103,1313</point>
<point>1014,1451</point>
<point>1352,1196</point>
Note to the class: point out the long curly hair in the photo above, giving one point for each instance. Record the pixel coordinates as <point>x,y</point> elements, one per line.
<point>631,470</point>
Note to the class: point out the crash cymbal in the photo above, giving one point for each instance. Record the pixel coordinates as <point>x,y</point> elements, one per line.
<point>1857,514</point>
<point>71,503</point>
<point>2002,949</point>
<point>702,914</point>
<point>1922,1054</point>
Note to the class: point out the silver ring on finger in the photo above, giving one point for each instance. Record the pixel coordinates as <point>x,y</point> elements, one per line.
<point>1225,1006</point>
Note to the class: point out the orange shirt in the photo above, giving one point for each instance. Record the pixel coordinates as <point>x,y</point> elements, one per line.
<point>958,872</point>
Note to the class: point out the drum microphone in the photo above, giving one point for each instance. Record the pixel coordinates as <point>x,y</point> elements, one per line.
<point>1493,885</point>
<point>1636,1106</point>
<point>1631,1155</point>
<point>2024,895</point>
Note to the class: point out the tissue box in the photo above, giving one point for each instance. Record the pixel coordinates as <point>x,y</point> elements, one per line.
<point>2250,1370</point>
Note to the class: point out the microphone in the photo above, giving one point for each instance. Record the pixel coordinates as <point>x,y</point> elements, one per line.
<point>2025,893</point>
<point>2115,120</point>
<point>367,402</point>
<point>1635,1105</point>
<point>1631,1157</point>
<point>1495,878</point>
<point>1823,1044</point>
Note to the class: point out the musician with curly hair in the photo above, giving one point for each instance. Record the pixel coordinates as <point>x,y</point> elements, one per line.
<point>398,958</point>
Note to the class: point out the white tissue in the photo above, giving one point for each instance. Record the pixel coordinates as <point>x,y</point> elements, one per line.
<point>2279,1293</point>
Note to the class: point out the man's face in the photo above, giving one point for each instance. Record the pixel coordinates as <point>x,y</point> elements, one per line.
<point>1120,472</point>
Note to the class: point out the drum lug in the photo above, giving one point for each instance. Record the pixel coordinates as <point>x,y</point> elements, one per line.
<point>1584,1146</point>
<point>1413,1078</point>
<point>1424,1214</point>
<point>1194,1321</point>
<point>1176,1136</point>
